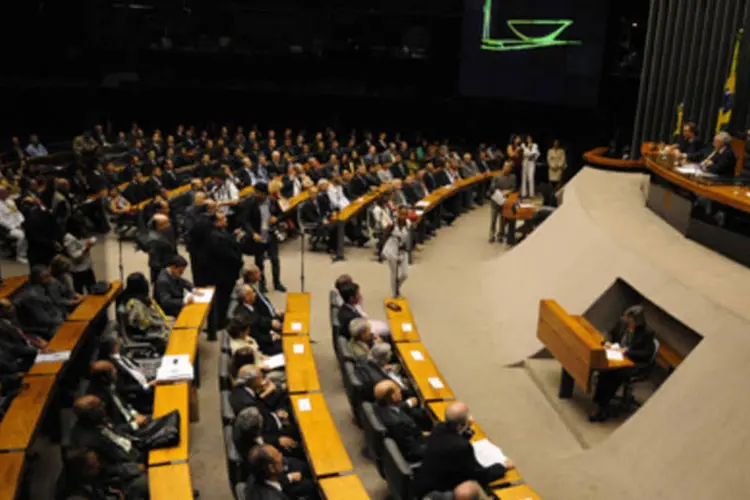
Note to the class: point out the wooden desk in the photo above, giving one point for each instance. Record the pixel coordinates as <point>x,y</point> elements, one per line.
<point>11,468</point>
<point>398,319</point>
<point>356,206</point>
<point>93,305</point>
<point>168,398</point>
<point>170,482</point>
<point>192,316</point>
<point>524,210</point>
<point>596,158</point>
<point>321,438</point>
<point>667,357</point>
<point>421,372</point>
<point>25,413</point>
<point>183,341</point>
<point>11,285</point>
<point>297,314</point>
<point>437,412</point>
<point>576,344</point>
<point>520,492</point>
<point>67,338</point>
<point>301,372</point>
<point>347,487</point>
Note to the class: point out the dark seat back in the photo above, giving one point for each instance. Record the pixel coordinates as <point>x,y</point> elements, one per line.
<point>225,380</point>
<point>354,390</point>
<point>234,461</point>
<point>227,412</point>
<point>225,348</point>
<point>397,472</point>
<point>343,353</point>
<point>375,433</point>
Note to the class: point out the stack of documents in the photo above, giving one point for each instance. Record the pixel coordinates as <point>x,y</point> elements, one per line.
<point>51,357</point>
<point>201,295</point>
<point>274,362</point>
<point>175,368</point>
<point>422,204</point>
<point>488,454</point>
<point>689,169</point>
<point>613,354</point>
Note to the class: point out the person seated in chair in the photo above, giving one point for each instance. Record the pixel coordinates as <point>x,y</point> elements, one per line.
<point>468,490</point>
<point>377,366</point>
<point>240,339</point>
<point>170,289</point>
<point>117,451</point>
<point>404,420</point>
<point>316,212</point>
<point>352,308</point>
<point>103,377</point>
<point>361,338</point>
<point>61,287</point>
<point>252,276</point>
<point>266,465</point>
<point>265,330</point>
<point>247,433</point>
<point>14,341</point>
<point>449,457</point>
<point>131,380</point>
<point>84,478</point>
<point>36,307</point>
<point>635,341</point>
<point>722,160</point>
<point>142,315</point>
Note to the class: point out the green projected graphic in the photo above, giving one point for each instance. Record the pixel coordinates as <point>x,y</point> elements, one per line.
<point>523,42</point>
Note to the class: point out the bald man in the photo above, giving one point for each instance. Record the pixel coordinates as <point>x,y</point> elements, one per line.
<point>266,467</point>
<point>395,415</point>
<point>449,458</point>
<point>161,245</point>
<point>119,458</point>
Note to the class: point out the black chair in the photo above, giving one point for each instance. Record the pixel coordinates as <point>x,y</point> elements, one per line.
<point>234,461</point>
<point>225,379</point>
<point>354,390</point>
<point>343,353</point>
<point>398,472</point>
<point>375,433</point>
<point>240,491</point>
<point>627,403</point>
<point>227,412</point>
<point>225,348</point>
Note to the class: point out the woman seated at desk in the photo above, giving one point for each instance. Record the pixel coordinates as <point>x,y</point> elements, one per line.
<point>142,315</point>
<point>636,341</point>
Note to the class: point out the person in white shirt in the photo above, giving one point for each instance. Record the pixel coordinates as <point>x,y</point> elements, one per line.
<point>11,219</point>
<point>339,201</point>
<point>530,156</point>
<point>556,162</point>
<point>35,148</point>
<point>225,193</point>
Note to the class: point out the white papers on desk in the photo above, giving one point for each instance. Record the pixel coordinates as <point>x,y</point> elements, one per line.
<point>303,404</point>
<point>274,362</point>
<point>204,295</point>
<point>614,355</point>
<point>298,349</point>
<point>51,357</point>
<point>296,326</point>
<point>488,454</point>
<point>417,355</point>
<point>689,169</point>
<point>406,327</point>
<point>422,204</point>
<point>174,368</point>
<point>435,382</point>
<point>420,213</point>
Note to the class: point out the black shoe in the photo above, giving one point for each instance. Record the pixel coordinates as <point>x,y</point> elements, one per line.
<point>492,239</point>
<point>279,288</point>
<point>263,288</point>
<point>600,416</point>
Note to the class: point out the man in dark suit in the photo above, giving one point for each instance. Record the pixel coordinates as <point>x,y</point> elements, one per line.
<point>170,287</point>
<point>118,455</point>
<point>395,414</point>
<point>359,185</point>
<point>226,258</point>
<point>170,178</point>
<point>267,466</point>
<point>161,245</point>
<point>265,330</point>
<point>316,212</point>
<point>246,173</point>
<point>449,458</point>
<point>37,310</point>
<point>689,144</point>
<point>260,219</point>
<point>722,161</point>
<point>348,311</point>
<point>103,377</point>
<point>398,170</point>
<point>252,276</point>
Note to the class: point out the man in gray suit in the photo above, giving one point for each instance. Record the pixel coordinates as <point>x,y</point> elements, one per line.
<point>506,184</point>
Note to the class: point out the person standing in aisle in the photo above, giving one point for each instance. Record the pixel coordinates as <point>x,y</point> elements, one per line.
<point>396,249</point>
<point>556,162</point>
<point>530,156</point>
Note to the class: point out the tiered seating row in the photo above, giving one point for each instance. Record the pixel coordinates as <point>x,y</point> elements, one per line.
<point>169,471</point>
<point>38,391</point>
<point>434,391</point>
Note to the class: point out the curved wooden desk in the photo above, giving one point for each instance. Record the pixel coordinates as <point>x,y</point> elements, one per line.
<point>596,158</point>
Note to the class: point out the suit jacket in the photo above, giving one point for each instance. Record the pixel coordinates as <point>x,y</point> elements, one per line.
<point>693,149</point>
<point>225,257</point>
<point>169,292</point>
<point>260,327</point>
<point>314,211</point>
<point>346,315</point>
<point>640,348</point>
<point>170,179</point>
<point>263,491</point>
<point>161,250</point>
<point>247,178</point>
<point>252,219</point>
<point>37,311</point>
<point>448,461</point>
<point>403,430</point>
<point>723,163</point>
<point>114,460</point>
<point>358,186</point>
<point>430,181</point>
<point>398,171</point>
<point>273,428</point>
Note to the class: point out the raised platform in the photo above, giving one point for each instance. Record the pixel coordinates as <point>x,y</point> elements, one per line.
<point>603,231</point>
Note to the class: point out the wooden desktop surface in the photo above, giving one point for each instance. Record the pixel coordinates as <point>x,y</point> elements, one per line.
<point>298,302</point>
<point>93,305</point>
<point>321,438</point>
<point>167,398</point>
<point>183,341</point>
<point>11,467</point>
<point>734,196</point>
<point>347,487</point>
<point>24,414</point>
<point>612,364</point>
<point>170,482</point>
<point>301,371</point>
<point>192,316</point>
<point>296,323</point>
<point>356,206</point>
<point>11,285</point>
<point>398,319</point>
<point>596,157</point>
<point>67,338</point>
<point>520,492</point>
<point>437,410</point>
<point>421,371</point>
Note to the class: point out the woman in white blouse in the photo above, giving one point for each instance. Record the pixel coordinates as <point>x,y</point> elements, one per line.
<point>530,156</point>
<point>556,162</point>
